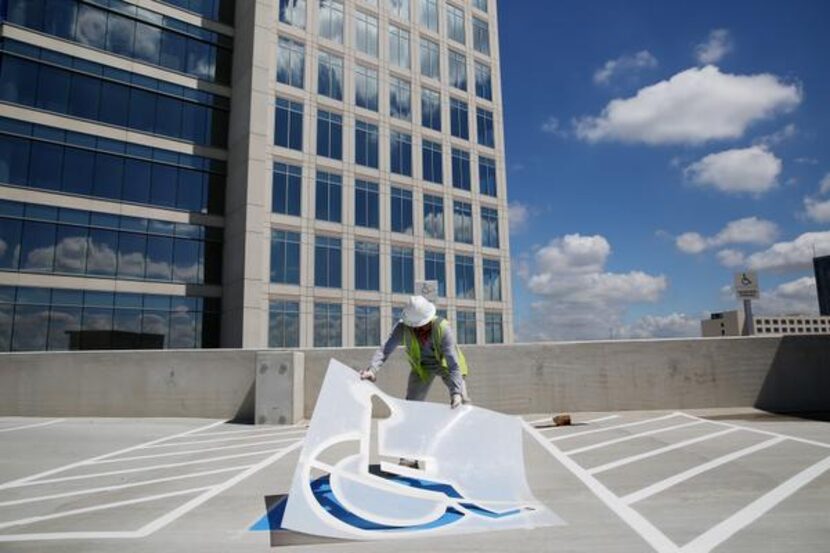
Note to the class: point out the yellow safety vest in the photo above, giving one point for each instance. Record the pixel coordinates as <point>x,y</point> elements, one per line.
<point>413,349</point>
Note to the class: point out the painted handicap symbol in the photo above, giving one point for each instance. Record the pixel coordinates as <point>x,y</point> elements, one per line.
<point>472,477</point>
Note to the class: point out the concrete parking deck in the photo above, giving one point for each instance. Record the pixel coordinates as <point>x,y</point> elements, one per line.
<point>692,481</point>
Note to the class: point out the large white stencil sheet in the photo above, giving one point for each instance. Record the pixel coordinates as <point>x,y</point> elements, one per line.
<point>472,475</point>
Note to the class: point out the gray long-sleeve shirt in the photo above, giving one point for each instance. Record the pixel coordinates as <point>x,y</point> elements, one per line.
<point>428,360</point>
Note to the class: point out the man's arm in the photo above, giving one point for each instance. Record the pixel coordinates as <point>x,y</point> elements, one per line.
<point>449,347</point>
<point>382,354</point>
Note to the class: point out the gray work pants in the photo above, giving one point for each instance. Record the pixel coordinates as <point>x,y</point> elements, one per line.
<point>417,389</point>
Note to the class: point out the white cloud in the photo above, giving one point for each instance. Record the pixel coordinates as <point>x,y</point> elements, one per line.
<point>730,258</point>
<point>817,211</point>
<point>777,137</point>
<point>795,297</point>
<point>824,186</point>
<point>518,215</point>
<point>791,256</point>
<point>753,170</point>
<point>749,230</point>
<point>552,126</point>
<point>692,107</point>
<point>717,45</point>
<point>624,64</point>
<point>675,325</point>
<point>576,297</point>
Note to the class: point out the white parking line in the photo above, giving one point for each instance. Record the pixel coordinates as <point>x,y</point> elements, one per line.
<point>140,469</point>
<point>650,533</point>
<point>766,432</point>
<point>285,430</point>
<point>606,428</point>
<point>35,425</point>
<point>192,451</point>
<point>752,512</point>
<point>600,419</point>
<point>120,486</point>
<point>632,437</point>
<point>667,483</point>
<point>26,479</point>
<point>658,451</point>
<point>62,514</point>
<point>175,514</point>
<point>218,440</point>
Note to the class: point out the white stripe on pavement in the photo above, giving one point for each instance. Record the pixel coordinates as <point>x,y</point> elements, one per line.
<point>35,425</point>
<point>658,451</point>
<point>671,481</point>
<point>632,437</point>
<point>626,425</point>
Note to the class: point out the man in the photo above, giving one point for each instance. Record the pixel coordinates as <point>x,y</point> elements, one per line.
<point>431,349</point>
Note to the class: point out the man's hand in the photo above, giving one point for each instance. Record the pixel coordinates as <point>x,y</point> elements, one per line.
<point>368,374</point>
<point>455,401</point>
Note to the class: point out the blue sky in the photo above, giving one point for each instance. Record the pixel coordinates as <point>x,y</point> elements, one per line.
<point>653,148</point>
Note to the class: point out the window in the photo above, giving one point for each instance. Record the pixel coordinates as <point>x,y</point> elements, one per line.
<point>431,109</point>
<point>455,23</point>
<point>492,279</point>
<point>484,125</point>
<point>434,217</point>
<point>481,36</point>
<point>487,176</point>
<point>461,169</point>
<point>366,33</point>
<point>366,88</point>
<point>463,222</point>
<point>366,144</point>
<point>459,120</point>
<point>285,257</point>
<point>480,4</point>
<point>398,47</point>
<point>366,266</point>
<point>433,161</point>
<point>366,204</point>
<point>327,262</point>
<point>458,70</point>
<point>401,210</point>
<point>435,268</point>
<point>493,330</point>
<point>403,271</point>
<point>290,62</point>
<point>400,99</point>
<point>328,196</point>
<point>331,20</point>
<point>489,227</point>
<point>329,135</point>
<point>466,327</point>
<point>293,12</point>
<point>286,189</point>
<point>429,14</point>
<point>289,125</point>
<point>484,85</point>
<point>430,59</point>
<point>283,324</point>
<point>401,153</point>
<point>328,332</point>
<point>330,76</point>
<point>366,325</point>
<point>399,8</point>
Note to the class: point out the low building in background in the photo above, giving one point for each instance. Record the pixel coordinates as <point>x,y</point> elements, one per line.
<point>730,323</point>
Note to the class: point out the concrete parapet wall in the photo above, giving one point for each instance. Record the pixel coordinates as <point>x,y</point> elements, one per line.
<point>776,373</point>
<point>199,383</point>
<point>274,387</point>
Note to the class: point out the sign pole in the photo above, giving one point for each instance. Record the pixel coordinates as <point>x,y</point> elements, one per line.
<point>749,323</point>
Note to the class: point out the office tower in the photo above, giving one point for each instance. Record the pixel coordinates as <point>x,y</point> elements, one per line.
<point>204,173</point>
<point>822,269</point>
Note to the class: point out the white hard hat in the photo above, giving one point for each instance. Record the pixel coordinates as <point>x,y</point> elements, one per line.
<point>418,312</point>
